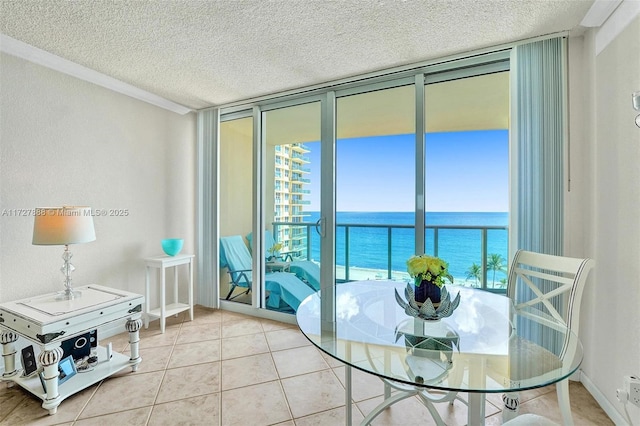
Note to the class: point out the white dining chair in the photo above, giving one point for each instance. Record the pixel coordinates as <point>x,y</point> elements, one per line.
<point>554,286</point>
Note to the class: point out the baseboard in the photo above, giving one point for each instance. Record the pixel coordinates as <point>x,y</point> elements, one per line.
<point>241,308</point>
<point>604,403</point>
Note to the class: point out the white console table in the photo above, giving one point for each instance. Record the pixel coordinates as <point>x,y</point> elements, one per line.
<point>166,310</point>
<point>47,322</point>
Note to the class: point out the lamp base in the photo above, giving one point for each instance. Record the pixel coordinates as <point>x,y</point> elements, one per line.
<point>69,294</point>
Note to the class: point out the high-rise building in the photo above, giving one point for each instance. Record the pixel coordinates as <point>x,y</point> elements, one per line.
<point>290,180</point>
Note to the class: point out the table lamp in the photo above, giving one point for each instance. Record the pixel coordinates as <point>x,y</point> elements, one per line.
<point>66,225</point>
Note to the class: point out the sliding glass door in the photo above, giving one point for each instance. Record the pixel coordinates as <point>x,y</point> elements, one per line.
<point>236,173</point>
<point>355,181</point>
<point>467,177</point>
<point>375,184</point>
<point>464,183</point>
<point>292,168</point>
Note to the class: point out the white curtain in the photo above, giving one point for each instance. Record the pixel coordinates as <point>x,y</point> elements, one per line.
<point>208,254</point>
<point>539,90</point>
<point>539,70</point>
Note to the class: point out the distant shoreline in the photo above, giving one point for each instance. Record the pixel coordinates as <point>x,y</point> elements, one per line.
<point>365,274</point>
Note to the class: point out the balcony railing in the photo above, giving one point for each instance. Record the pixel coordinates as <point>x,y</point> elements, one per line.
<point>344,232</point>
<point>298,179</point>
<point>300,191</point>
<point>300,202</point>
<point>299,156</point>
<point>300,168</point>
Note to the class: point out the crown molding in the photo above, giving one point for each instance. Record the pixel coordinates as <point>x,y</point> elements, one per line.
<point>30,53</point>
<point>599,12</point>
<point>616,23</point>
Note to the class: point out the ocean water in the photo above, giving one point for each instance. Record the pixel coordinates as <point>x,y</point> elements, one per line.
<point>461,248</point>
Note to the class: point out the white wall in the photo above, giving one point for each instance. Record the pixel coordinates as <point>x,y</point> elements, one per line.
<point>604,211</point>
<point>66,141</point>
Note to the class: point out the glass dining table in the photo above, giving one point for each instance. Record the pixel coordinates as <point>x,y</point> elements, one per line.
<point>485,346</point>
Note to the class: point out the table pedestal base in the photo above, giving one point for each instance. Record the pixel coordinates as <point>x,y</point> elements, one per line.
<point>427,398</point>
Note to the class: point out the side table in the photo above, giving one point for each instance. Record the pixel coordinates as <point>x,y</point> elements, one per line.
<point>164,311</point>
<point>47,322</point>
<point>277,266</point>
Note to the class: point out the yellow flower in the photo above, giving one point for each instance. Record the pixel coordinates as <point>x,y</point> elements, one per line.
<point>428,268</point>
<point>275,248</point>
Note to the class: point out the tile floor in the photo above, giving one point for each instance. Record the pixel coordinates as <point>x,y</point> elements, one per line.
<point>226,368</point>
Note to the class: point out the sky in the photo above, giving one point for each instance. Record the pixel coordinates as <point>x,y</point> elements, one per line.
<point>466,172</point>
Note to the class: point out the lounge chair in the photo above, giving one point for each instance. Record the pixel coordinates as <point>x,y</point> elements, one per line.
<point>305,270</point>
<point>286,291</point>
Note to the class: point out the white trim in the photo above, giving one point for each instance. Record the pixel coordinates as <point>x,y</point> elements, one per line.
<point>207,223</point>
<point>602,401</point>
<point>420,182</point>
<point>328,138</point>
<point>599,12</point>
<point>258,293</point>
<point>14,47</point>
<point>514,152</point>
<point>617,22</point>
<point>229,306</point>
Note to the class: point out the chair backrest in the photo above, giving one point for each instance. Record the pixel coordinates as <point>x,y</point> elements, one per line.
<point>553,284</point>
<point>235,255</point>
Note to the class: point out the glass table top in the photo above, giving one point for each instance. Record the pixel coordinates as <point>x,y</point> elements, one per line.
<point>485,346</point>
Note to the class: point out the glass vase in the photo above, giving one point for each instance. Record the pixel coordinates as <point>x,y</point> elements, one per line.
<point>427,290</point>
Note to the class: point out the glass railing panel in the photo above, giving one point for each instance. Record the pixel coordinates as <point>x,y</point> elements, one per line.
<point>403,244</point>
<point>342,264</point>
<point>373,252</point>
<point>497,245</point>
<point>371,243</point>
<point>461,248</point>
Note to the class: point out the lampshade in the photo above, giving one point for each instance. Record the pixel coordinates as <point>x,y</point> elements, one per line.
<point>63,225</point>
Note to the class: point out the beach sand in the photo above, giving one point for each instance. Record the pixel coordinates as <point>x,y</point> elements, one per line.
<point>362,274</point>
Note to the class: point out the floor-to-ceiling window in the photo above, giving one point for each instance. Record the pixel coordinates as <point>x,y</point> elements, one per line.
<point>375,176</point>
<point>291,142</point>
<point>236,205</point>
<point>292,173</point>
<point>374,154</point>
<point>467,177</point>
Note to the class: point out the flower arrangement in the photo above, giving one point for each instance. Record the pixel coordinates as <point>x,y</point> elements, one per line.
<point>275,249</point>
<point>428,268</point>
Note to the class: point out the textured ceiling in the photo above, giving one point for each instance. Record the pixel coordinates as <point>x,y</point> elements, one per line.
<point>204,53</point>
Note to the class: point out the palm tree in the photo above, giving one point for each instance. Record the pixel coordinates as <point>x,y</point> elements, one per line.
<point>495,262</point>
<point>474,271</point>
